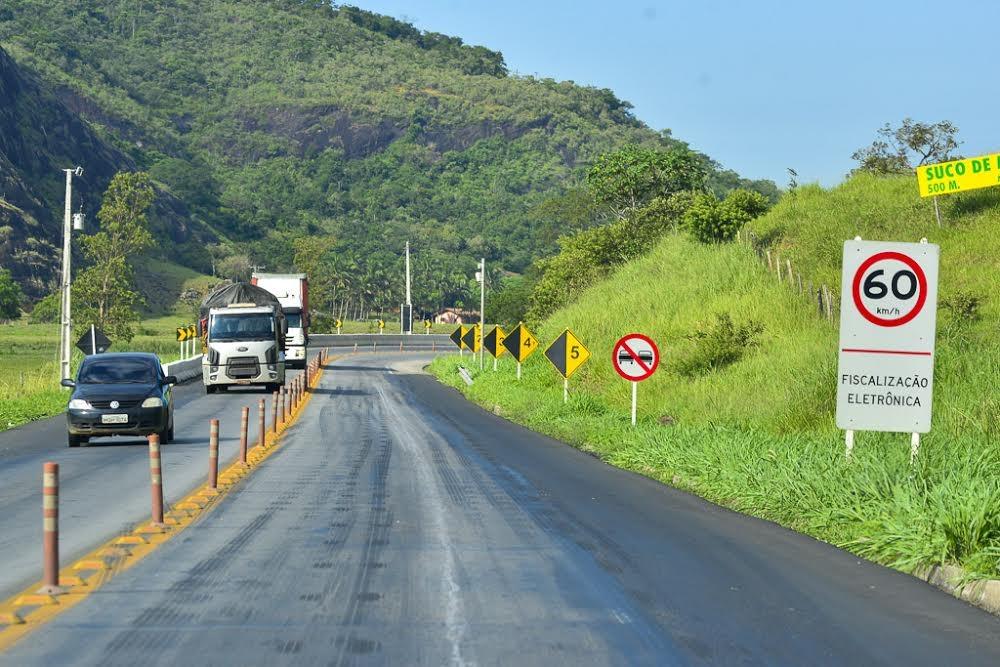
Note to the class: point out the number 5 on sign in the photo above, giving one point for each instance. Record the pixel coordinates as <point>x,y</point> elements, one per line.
<point>567,353</point>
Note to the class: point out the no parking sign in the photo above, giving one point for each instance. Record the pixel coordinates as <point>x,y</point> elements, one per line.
<point>888,317</point>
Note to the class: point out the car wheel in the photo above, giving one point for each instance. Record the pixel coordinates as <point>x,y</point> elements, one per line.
<point>170,432</point>
<point>75,440</point>
<point>210,388</point>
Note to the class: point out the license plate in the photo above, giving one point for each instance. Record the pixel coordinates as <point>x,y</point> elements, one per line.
<point>243,382</point>
<point>114,419</point>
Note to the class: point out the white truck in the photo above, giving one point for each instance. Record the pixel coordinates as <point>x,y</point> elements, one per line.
<point>292,292</point>
<point>243,328</point>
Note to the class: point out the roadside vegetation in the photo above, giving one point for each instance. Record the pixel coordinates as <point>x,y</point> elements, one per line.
<point>742,410</point>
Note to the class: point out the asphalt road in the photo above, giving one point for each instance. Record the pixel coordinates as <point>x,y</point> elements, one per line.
<point>104,486</point>
<point>401,525</point>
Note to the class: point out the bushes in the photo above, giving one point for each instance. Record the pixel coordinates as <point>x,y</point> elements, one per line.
<point>719,345</point>
<point>713,221</point>
<point>590,255</point>
<point>46,311</point>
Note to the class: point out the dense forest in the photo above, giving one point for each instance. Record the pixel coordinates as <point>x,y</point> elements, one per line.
<point>291,134</point>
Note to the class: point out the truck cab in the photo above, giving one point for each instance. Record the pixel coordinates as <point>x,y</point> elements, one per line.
<point>245,347</point>
<point>292,292</point>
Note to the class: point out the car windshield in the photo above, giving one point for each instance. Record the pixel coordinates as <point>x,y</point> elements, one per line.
<point>117,371</point>
<point>250,326</point>
<point>294,320</point>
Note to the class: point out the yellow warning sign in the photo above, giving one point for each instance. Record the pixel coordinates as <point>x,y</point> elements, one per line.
<point>520,343</point>
<point>494,342</point>
<point>473,339</point>
<point>567,353</point>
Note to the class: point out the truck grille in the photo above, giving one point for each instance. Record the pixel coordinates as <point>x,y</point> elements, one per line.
<point>243,367</point>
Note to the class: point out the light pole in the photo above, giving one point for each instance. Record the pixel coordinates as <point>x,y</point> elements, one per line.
<point>481,277</point>
<point>65,327</point>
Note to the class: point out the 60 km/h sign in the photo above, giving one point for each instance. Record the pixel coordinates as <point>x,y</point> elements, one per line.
<point>888,317</point>
<point>635,357</point>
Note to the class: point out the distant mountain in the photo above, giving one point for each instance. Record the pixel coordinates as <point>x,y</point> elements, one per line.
<point>271,120</point>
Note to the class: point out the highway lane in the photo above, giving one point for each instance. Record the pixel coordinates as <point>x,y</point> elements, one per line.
<point>104,486</point>
<point>400,524</point>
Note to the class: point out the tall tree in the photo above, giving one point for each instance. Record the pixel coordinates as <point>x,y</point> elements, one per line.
<point>10,297</point>
<point>628,179</point>
<point>902,149</point>
<point>104,293</point>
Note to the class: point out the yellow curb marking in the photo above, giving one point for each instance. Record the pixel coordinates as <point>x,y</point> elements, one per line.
<point>26,611</point>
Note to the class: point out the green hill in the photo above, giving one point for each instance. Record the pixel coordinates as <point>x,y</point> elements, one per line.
<point>743,414</point>
<point>280,119</point>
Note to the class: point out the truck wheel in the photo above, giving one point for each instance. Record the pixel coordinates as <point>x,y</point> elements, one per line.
<point>76,440</point>
<point>210,388</point>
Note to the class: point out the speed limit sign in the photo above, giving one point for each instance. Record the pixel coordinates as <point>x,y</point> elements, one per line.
<point>888,316</point>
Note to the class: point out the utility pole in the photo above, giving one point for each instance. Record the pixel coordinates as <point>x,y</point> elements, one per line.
<point>66,325</point>
<point>406,312</point>
<point>482,311</point>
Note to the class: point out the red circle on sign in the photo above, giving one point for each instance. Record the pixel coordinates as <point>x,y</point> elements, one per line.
<point>648,368</point>
<point>921,282</point>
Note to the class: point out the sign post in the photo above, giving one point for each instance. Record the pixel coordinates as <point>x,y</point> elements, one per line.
<point>520,343</point>
<point>381,326</point>
<point>427,327</point>
<point>338,324</point>
<point>567,353</point>
<point>888,317</point>
<point>635,357</point>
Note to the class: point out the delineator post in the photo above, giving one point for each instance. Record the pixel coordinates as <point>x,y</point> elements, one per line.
<point>213,454</point>
<point>156,479</point>
<point>50,529</point>
<point>244,432</point>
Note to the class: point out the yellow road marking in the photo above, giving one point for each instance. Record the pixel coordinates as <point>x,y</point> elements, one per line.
<point>28,610</point>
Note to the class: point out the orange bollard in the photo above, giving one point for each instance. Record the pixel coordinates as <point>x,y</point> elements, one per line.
<point>274,413</point>
<point>261,407</point>
<point>281,406</point>
<point>213,454</point>
<point>244,432</point>
<point>156,479</point>
<point>50,529</point>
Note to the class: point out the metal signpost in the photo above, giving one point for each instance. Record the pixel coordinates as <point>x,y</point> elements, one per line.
<point>520,343</point>
<point>635,357</point>
<point>888,316</point>
<point>381,326</point>
<point>567,353</point>
<point>338,323</point>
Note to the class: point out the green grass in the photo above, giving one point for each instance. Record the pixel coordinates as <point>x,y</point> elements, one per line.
<point>759,435</point>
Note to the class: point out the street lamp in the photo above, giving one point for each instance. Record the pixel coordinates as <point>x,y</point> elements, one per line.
<point>481,278</point>
<point>70,222</point>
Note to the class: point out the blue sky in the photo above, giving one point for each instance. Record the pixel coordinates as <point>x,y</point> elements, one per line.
<point>758,85</point>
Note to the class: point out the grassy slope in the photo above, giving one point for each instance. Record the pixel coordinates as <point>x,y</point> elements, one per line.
<point>759,436</point>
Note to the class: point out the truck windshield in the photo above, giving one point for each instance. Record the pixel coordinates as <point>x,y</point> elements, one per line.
<point>294,320</point>
<point>251,326</point>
